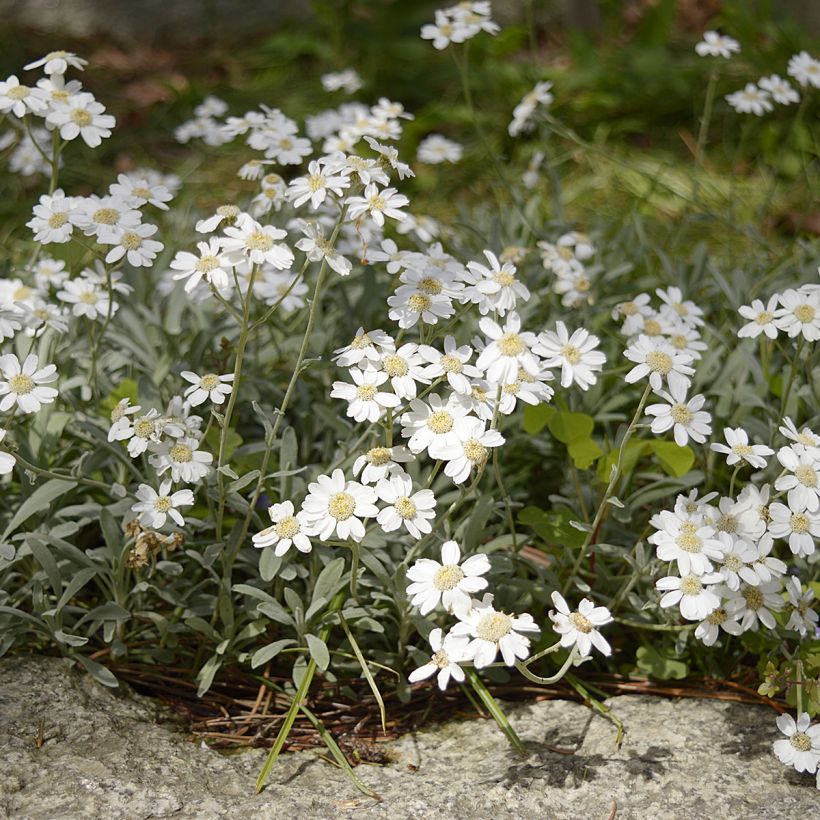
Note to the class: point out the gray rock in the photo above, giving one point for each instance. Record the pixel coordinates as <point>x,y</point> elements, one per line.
<point>112,755</point>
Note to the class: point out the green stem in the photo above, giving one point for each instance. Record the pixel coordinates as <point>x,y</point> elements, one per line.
<point>496,711</point>
<point>522,668</point>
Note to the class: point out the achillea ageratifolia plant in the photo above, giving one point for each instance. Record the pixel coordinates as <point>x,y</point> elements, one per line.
<point>275,432</point>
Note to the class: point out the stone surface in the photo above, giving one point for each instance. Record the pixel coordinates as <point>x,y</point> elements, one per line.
<point>105,755</point>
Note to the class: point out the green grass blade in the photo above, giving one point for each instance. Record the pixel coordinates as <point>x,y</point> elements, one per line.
<point>367,673</point>
<point>496,711</point>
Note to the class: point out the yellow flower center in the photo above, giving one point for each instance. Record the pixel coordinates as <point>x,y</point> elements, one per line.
<point>717,617</point>
<point>764,317</point>
<point>81,117</point>
<point>228,213</point>
<point>287,527</point>
<point>440,422</point>
<point>801,741</point>
<point>510,344</point>
<point>22,293</point>
<point>448,577</point>
<point>259,241</point>
<point>106,216</point>
<point>806,475</point>
<point>804,313</point>
<point>726,523</point>
<point>361,341</point>
<point>503,278</point>
<point>89,297</point>
<point>475,451</point>
<point>209,381</point>
<point>418,303</point>
<point>689,542</point>
<point>571,353</point>
<point>659,362</point>
<point>366,392</point>
<point>678,341</point>
<point>207,263</point>
<point>57,220</point>
<point>131,241</point>
<point>494,626</point>
<point>743,450</point>
<point>440,660</point>
<point>181,453</point>
<point>142,193</point>
<point>652,327</point>
<point>732,562</point>
<point>143,427</point>
<point>799,523</point>
<point>690,585</point>
<point>376,202</point>
<point>379,456</point>
<point>405,507</point>
<point>581,623</point>
<point>341,506</point>
<point>430,285</point>
<point>19,92</point>
<point>21,384</point>
<point>753,596</point>
<point>681,414</point>
<point>162,504</point>
<point>394,365</point>
<point>316,182</point>
<point>451,364</point>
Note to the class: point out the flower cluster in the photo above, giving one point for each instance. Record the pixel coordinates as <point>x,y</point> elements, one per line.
<point>459,23</point>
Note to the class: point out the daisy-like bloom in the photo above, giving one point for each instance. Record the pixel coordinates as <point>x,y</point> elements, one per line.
<point>709,628</point>
<point>316,185</point>
<point>20,99</point>
<point>508,349</point>
<point>87,298</point>
<point>210,386</point>
<point>435,149</point>
<point>380,462</point>
<point>378,204</point>
<point>286,529</point>
<point>405,367</point>
<point>714,44</point>
<point>139,431</point>
<point>677,308</point>
<point>805,69</point>
<point>348,81</point>
<point>185,460</point>
<point>134,244</point>
<point>23,384</point>
<point>81,116</point>
<point>690,543</point>
<point>449,581</point>
<point>317,247</point>
<point>119,418</point>
<point>737,447</point>
<point>755,604</point>
<point>448,652</point>
<point>365,402</point>
<point>409,305</point>
<point>281,287</point>
<point>634,314</point>
<point>210,264</point>
<point>443,32</point>
<point>104,217</point>
<point>801,746</point>
<point>750,100</point>
<point>434,425</point>
<point>52,218</point>
<point>522,113</point>
<point>335,505</point>
<point>57,62</point>
<point>491,631</point>
<point>413,511</point>
<point>7,460</point>
<point>575,354</point>
<point>472,450</point>
<point>494,287</point>
<point>580,628</point>
<point>799,526</point>
<point>694,594</point>
<point>736,561</point>
<point>766,567</point>
<point>453,364</point>
<point>805,437</point>
<point>248,240</point>
<point>137,190</point>
<point>685,417</point>
<point>803,479</point>
<point>780,89</point>
<point>761,319</point>
<point>224,216</point>
<point>800,313</point>
<point>390,156</point>
<point>363,348</point>
<point>802,618</point>
<point>154,507</point>
<point>657,359</point>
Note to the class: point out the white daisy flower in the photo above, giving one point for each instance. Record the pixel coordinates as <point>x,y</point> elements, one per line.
<point>452,363</point>
<point>805,437</point>
<point>471,451</point>
<point>154,506</point>
<point>435,149</point>
<point>737,447</point>
<point>799,527</point>
<point>694,594</point>
<point>316,185</point>
<point>134,244</point>
<point>209,264</point>
<point>450,582</point>
<point>508,349</point>
<point>210,386</point>
<point>104,217</point>
<point>19,99</point>
<point>805,69</point>
<point>377,204</point>
<point>224,216</point>
<point>137,190</point>
<point>686,417</point>
<point>183,458</point>
<point>434,425</point>
<point>405,368</point>
<point>348,81</point>
<point>57,62</point>
<point>575,354</point>
<point>715,44</point>
<point>81,116</point>
<point>249,240</point>
<point>448,652</point>
<point>803,479</point>
<point>52,218</point>
<point>657,359</point>
<point>494,287</point>
<point>801,746</point>
<point>692,545</point>
<point>708,630</point>
<point>23,384</point>
<point>286,529</point>
<point>780,89</point>
<point>736,561</point>
<point>317,247</point>
<point>408,306</point>
<point>363,348</point>
<point>755,604</point>
<point>766,567</point>
<point>381,462</point>
<point>761,319</point>
<point>799,314</point>
<point>580,628</point>
<point>335,505</point>
<point>365,402</point>
<point>802,618</point>
<point>87,298</point>
<point>750,100</point>
<point>405,508</point>
<point>633,312</point>
<point>492,630</point>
